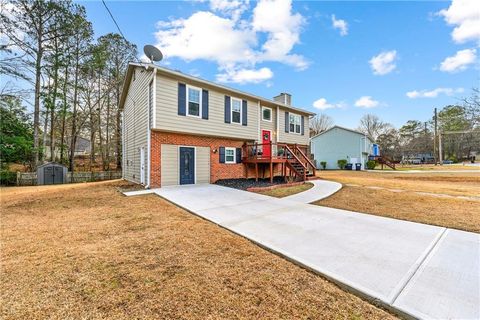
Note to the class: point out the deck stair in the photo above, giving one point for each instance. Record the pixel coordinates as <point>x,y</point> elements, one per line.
<point>385,161</point>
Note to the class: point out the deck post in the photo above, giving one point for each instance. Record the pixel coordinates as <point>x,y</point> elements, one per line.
<point>256,171</point>
<point>271,162</point>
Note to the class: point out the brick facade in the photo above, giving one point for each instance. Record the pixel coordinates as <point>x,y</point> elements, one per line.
<point>217,170</point>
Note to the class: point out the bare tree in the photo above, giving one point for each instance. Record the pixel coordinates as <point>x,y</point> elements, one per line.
<point>372,126</point>
<point>320,123</point>
<point>30,26</point>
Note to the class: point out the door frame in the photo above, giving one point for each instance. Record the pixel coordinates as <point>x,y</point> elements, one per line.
<point>261,134</point>
<point>142,165</point>
<point>194,163</point>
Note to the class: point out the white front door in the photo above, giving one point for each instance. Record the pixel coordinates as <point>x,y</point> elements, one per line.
<point>142,165</point>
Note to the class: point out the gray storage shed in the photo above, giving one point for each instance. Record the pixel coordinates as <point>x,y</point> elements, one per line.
<point>51,173</point>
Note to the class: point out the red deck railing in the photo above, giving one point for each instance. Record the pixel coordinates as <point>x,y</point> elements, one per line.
<point>293,156</point>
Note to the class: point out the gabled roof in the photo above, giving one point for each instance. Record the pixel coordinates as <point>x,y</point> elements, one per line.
<point>181,75</point>
<point>342,128</point>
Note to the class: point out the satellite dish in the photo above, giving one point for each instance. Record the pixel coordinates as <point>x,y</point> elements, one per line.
<point>152,53</point>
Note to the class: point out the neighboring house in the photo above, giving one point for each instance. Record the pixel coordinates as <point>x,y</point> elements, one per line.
<point>82,147</point>
<point>339,143</point>
<point>179,129</point>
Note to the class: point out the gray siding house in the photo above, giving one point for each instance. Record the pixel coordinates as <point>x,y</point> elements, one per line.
<point>180,129</point>
<point>341,143</point>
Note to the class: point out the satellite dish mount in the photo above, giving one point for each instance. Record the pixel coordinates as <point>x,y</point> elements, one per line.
<point>152,53</point>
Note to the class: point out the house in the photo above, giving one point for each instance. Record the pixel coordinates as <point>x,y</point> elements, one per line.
<point>180,129</point>
<point>339,143</point>
<point>83,147</point>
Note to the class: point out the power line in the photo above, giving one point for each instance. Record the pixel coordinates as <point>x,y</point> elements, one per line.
<point>118,27</point>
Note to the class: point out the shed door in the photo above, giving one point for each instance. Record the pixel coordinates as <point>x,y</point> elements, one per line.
<point>48,177</point>
<point>57,175</point>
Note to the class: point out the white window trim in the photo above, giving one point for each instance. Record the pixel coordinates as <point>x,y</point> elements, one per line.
<point>234,155</point>
<point>300,117</point>
<point>271,114</point>
<point>231,110</point>
<point>188,101</point>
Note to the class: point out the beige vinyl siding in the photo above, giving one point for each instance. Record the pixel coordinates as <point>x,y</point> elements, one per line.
<point>167,117</point>
<point>292,137</point>
<point>202,170</point>
<point>272,126</point>
<point>169,161</point>
<point>136,125</point>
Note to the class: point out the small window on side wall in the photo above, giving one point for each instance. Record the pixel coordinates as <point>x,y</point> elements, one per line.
<point>230,155</point>
<point>267,114</point>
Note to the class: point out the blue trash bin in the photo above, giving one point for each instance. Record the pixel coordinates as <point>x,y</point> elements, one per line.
<point>349,166</point>
<point>358,166</point>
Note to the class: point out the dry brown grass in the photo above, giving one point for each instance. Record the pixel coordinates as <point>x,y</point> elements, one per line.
<point>89,252</point>
<point>452,183</point>
<point>408,205</point>
<point>286,191</point>
<point>446,212</point>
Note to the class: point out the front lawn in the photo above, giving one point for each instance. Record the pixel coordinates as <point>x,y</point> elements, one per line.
<point>85,251</point>
<point>444,199</point>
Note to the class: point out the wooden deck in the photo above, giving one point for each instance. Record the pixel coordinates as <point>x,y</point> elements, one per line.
<point>291,159</point>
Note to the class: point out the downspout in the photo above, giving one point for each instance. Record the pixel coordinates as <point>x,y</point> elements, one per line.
<point>278,124</point>
<point>149,135</point>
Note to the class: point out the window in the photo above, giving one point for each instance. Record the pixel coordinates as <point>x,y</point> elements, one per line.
<point>236,110</point>
<point>229,155</point>
<point>194,99</point>
<point>266,114</point>
<point>295,123</point>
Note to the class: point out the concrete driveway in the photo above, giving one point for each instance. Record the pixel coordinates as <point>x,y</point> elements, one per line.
<point>417,270</point>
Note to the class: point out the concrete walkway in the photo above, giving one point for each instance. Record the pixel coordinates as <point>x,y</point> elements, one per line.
<point>321,189</point>
<point>417,270</point>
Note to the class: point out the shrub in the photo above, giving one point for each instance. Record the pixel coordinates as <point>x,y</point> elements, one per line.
<point>371,164</point>
<point>323,164</point>
<point>342,163</point>
<point>8,178</point>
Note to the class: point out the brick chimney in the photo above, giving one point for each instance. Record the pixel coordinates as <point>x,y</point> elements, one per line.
<point>285,98</point>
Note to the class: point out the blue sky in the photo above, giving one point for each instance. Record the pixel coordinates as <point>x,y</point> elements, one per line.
<point>344,59</point>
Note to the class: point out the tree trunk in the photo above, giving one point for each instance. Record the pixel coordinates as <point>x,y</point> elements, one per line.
<point>64,114</point>
<point>73,139</point>
<point>36,112</point>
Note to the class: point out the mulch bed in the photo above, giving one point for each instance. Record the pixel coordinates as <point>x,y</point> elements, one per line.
<point>244,184</point>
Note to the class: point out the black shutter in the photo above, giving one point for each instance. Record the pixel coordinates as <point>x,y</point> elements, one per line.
<point>221,152</point>
<point>244,112</point>
<point>182,99</point>
<point>287,122</point>
<point>204,104</point>
<point>227,109</point>
<point>303,126</point>
<point>238,155</point>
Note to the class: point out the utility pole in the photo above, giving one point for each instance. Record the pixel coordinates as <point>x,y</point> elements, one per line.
<point>435,138</point>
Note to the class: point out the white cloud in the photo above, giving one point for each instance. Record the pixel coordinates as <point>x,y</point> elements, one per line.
<point>234,43</point>
<point>232,8</point>
<point>465,16</point>
<point>340,24</point>
<point>384,62</point>
<point>459,61</point>
<point>322,104</point>
<point>283,28</point>
<point>245,75</point>
<point>366,102</point>
<point>433,93</point>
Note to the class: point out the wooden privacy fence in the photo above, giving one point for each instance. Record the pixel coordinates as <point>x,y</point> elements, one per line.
<point>30,178</point>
